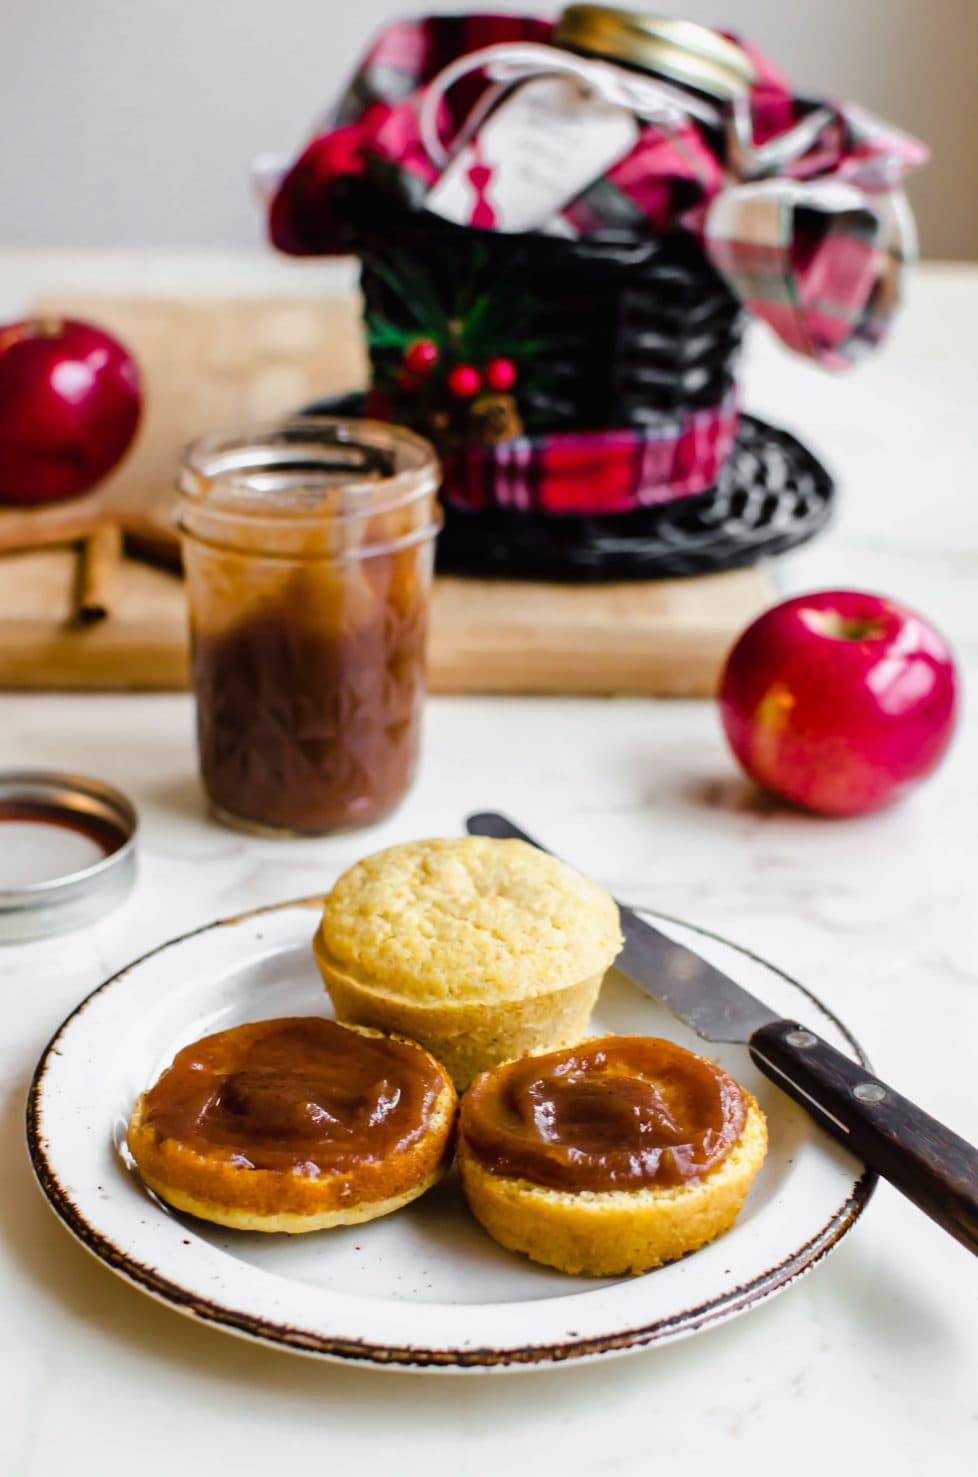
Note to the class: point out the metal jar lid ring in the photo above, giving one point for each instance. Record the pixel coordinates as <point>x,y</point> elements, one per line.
<point>680,50</point>
<point>72,852</point>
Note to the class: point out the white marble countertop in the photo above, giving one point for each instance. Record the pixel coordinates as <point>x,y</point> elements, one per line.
<point>874,1357</point>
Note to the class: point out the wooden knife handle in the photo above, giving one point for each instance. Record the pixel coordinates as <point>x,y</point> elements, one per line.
<point>930,1164</point>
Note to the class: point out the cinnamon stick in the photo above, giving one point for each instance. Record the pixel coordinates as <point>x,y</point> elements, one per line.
<point>99,557</point>
<point>150,540</point>
<point>144,537</point>
<point>20,532</point>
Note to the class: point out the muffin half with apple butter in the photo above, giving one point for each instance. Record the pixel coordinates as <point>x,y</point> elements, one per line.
<point>610,1157</point>
<point>294,1125</point>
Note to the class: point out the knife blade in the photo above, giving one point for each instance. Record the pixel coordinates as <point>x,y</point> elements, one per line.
<point>928,1162</point>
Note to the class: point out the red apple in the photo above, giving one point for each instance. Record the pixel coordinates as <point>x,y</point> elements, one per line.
<point>69,407</point>
<point>839,701</point>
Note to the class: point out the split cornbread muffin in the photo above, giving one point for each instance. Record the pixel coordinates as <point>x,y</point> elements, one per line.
<point>609,1157</point>
<point>294,1125</point>
<point>482,950</point>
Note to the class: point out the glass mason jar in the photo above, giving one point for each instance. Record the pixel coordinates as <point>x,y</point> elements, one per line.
<point>308,550</point>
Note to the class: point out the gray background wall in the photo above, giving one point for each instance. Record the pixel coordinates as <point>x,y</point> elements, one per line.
<point>133,122</point>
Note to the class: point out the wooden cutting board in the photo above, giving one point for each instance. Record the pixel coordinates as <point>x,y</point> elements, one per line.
<point>210,364</point>
<point>667,638</point>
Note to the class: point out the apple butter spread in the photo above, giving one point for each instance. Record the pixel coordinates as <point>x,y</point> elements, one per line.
<point>617,1113</point>
<point>298,1095</point>
<point>308,554</point>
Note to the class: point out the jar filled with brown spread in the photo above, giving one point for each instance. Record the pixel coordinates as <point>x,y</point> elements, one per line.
<point>308,554</point>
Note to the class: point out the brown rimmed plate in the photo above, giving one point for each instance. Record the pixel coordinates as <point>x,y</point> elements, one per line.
<point>424,1288</point>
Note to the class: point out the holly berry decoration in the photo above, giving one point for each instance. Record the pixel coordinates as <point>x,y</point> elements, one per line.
<point>463,381</point>
<point>421,357</point>
<point>501,375</point>
<point>456,360</point>
<point>70,403</point>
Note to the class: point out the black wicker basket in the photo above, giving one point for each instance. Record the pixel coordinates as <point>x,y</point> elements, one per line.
<point>630,332</point>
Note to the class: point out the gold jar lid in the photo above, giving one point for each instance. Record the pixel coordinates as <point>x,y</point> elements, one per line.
<point>682,51</point>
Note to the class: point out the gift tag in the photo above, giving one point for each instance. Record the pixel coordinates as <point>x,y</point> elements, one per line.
<point>546,142</point>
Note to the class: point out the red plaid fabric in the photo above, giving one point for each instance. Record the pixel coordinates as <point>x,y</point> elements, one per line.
<point>828,292</point>
<point>814,243</point>
<point>595,472</point>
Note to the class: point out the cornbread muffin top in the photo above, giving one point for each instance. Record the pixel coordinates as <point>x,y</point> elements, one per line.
<point>468,919</point>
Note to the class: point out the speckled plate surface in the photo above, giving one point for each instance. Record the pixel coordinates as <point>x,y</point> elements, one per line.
<point>425,1288</point>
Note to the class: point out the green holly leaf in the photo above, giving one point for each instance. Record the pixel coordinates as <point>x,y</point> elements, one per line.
<point>411,285</point>
<point>383,333</point>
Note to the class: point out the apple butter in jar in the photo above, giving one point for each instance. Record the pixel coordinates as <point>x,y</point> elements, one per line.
<point>308,549</point>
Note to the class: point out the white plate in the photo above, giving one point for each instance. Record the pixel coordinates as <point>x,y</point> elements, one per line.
<point>425,1288</point>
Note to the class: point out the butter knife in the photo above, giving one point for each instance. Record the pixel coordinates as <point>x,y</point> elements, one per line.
<point>929,1163</point>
